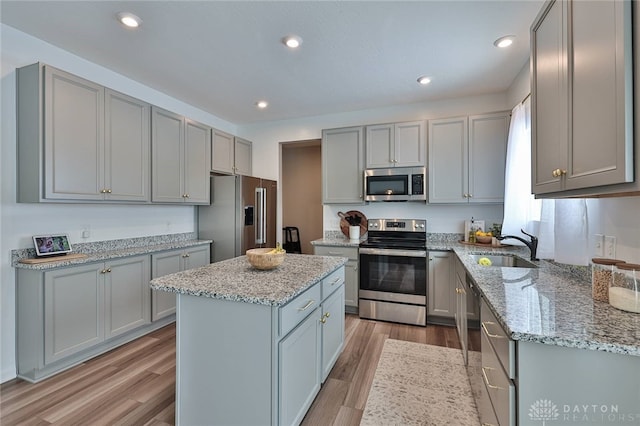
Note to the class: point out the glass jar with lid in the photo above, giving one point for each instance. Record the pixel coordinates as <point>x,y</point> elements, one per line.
<point>624,292</point>
<point>602,277</point>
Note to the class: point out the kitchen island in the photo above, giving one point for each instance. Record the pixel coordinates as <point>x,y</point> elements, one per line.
<point>253,347</point>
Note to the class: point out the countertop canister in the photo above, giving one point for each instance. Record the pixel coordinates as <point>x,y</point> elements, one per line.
<point>602,277</point>
<point>624,292</point>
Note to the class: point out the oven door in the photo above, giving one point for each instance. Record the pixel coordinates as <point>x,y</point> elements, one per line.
<point>393,275</point>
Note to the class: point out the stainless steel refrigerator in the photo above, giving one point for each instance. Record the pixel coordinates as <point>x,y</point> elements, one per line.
<point>242,215</point>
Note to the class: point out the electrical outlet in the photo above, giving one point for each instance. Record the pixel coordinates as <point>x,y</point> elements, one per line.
<point>610,246</point>
<point>86,231</point>
<point>598,245</point>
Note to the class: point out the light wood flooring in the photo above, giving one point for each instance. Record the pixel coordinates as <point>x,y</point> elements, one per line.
<point>135,384</point>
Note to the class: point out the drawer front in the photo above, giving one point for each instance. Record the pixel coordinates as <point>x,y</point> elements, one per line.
<point>501,390</point>
<point>297,309</point>
<point>350,252</point>
<point>332,282</point>
<point>503,346</point>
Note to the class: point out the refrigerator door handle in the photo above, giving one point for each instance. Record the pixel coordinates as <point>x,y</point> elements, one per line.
<point>261,222</point>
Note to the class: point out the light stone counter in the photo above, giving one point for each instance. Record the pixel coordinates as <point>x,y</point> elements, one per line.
<point>111,249</point>
<point>551,305</point>
<point>236,280</point>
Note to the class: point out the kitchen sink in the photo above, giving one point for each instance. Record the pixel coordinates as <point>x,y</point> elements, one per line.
<point>504,260</point>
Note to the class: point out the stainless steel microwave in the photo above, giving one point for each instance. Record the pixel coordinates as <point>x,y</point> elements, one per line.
<point>395,184</point>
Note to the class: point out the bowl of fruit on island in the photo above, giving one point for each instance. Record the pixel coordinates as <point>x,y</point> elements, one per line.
<point>266,258</point>
<point>484,237</point>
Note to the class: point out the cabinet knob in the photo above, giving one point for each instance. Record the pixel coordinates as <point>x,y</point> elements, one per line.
<point>558,172</point>
<point>470,195</point>
<point>323,320</point>
<point>103,191</point>
<point>108,191</point>
<point>104,271</point>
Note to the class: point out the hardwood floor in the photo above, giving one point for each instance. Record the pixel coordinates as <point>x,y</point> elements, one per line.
<point>135,384</point>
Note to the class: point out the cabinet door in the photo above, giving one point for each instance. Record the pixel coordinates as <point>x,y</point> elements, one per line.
<point>167,167</point>
<point>127,295</point>
<point>196,257</point>
<point>299,369</point>
<point>351,283</point>
<point>73,310</point>
<point>410,144</point>
<point>342,165</point>
<point>601,94</point>
<point>332,330</point>
<point>379,144</point>
<point>222,153</point>
<point>73,137</point>
<point>127,148</point>
<point>243,157</point>
<point>549,102</point>
<point>461,315</point>
<point>488,134</point>
<point>448,160</point>
<point>197,159</point>
<point>163,303</point>
<point>442,300</point>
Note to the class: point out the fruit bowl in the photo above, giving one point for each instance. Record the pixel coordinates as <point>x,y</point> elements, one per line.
<point>483,239</point>
<point>265,258</point>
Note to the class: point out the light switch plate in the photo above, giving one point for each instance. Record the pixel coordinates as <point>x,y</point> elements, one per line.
<point>598,245</point>
<point>610,246</point>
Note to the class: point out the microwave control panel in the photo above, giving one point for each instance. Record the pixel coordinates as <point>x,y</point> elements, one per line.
<point>417,184</point>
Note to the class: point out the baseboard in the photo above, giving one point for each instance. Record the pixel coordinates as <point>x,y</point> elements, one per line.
<point>8,374</point>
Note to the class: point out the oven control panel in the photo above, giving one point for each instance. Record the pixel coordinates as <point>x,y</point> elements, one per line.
<point>404,225</point>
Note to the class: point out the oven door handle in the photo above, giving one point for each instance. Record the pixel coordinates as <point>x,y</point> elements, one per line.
<point>393,252</point>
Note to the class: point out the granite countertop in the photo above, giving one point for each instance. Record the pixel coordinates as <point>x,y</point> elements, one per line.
<point>551,305</point>
<point>236,280</point>
<point>111,249</point>
<point>337,241</point>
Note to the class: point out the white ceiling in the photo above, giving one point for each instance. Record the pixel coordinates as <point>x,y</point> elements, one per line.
<point>223,56</point>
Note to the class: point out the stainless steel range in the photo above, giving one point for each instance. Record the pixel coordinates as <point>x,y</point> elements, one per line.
<point>393,271</point>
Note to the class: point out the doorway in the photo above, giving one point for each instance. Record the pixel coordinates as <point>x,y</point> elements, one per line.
<point>302,190</point>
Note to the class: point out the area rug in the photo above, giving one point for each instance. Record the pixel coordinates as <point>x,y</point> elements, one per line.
<point>418,384</point>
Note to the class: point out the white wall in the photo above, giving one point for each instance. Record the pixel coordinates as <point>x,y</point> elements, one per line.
<point>18,222</point>
<point>441,218</point>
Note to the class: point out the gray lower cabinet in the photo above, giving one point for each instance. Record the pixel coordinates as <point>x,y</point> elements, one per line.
<point>67,315</point>
<point>269,358</point>
<point>181,159</point>
<point>343,161</point>
<point>351,272</point>
<point>441,299</point>
<point>73,311</point>
<point>127,294</point>
<point>163,303</point>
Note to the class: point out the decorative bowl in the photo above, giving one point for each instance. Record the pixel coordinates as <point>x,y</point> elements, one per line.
<point>260,258</point>
<point>483,239</point>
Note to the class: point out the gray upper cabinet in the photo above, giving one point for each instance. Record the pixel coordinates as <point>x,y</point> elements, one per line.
<point>127,171</point>
<point>396,145</point>
<point>582,99</point>
<point>230,154</point>
<point>181,155</point>
<point>343,165</point>
<point>243,156</point>
<point>78,141</point>
<point>467,158</point>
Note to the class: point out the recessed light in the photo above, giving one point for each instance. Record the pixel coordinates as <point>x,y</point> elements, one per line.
<point>424,80</point>
<point>292,41</point>
<point>262,104</point>
<point>505,41</point>
<point>129,20</point>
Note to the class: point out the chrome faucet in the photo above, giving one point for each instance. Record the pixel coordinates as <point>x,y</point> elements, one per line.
<point>533,244</point>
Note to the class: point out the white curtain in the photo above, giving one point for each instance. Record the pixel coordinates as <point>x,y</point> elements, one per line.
<point>561,225</point>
